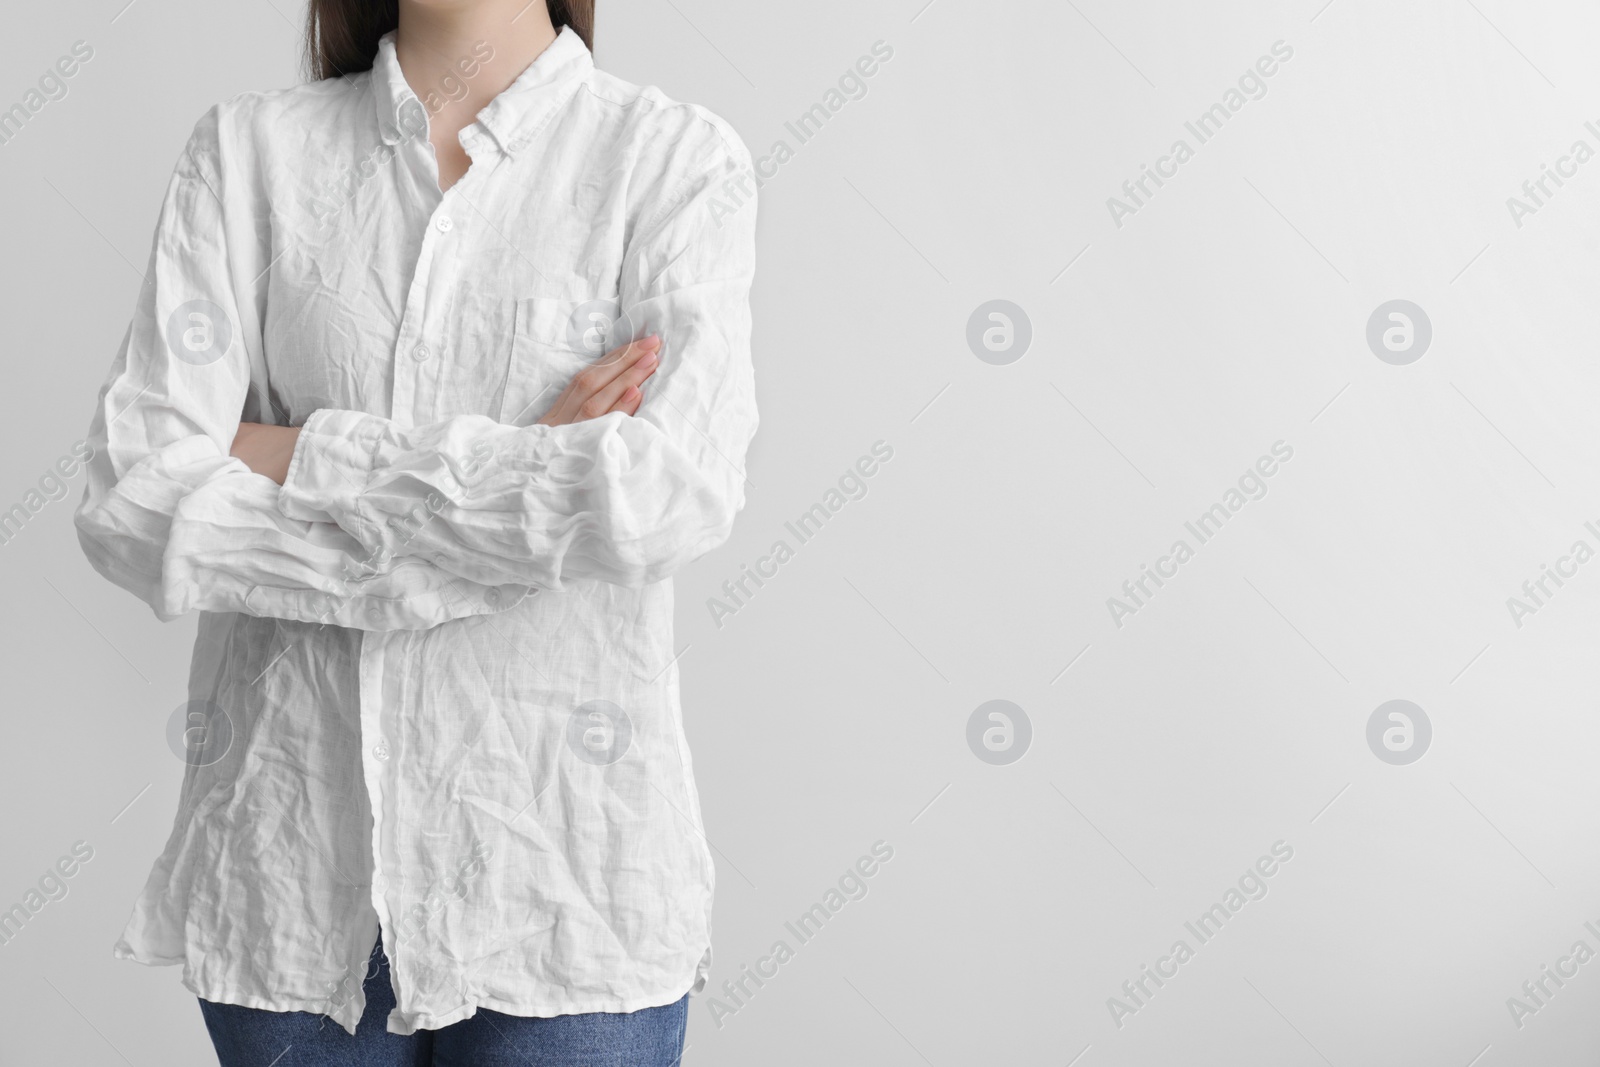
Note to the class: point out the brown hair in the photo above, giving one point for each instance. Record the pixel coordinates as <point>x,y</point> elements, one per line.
<point>342,35</point>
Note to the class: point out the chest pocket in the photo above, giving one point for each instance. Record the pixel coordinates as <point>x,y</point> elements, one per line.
<point>549,345</point>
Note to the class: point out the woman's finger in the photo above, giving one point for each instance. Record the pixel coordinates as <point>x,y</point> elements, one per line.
<point>603,371</point>
<point>630,400</point>
<point>632,378</point>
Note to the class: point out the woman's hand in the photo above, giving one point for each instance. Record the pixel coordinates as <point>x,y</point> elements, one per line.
<point>610,383</point>
<point>265,449</point>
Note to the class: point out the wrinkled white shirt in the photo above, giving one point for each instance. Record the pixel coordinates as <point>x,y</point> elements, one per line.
<point>435,670</point>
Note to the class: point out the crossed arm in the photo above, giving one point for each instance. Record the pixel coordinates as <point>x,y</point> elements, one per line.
<point>613,382</point>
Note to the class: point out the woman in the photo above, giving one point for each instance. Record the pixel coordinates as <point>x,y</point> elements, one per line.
<point>440,371</point>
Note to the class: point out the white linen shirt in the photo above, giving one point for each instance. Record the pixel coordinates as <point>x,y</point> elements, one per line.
<point>434,688</point>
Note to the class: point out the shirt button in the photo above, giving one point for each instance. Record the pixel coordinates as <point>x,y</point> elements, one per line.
<point>381,750</point>
<point>379,883</point>
<point>444,224</point>
<point>492,596</point>
<point>420,353</point>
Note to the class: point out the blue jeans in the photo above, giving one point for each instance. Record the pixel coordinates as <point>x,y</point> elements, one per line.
<point>251,1037</point>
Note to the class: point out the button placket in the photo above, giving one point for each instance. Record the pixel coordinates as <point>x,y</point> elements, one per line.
<point>409,344</point>
<point>415,400</point>
<point>410,378</point>
<point>370,701</point>
<point>406,374</point>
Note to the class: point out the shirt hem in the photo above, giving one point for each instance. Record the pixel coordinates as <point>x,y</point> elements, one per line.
<point>411,1022</point>
<point>406,1023</point>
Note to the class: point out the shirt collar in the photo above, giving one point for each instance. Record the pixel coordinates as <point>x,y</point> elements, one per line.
<point>511,118</point>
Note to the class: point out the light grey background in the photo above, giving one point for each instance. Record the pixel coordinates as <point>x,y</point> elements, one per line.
<point>831,711</point>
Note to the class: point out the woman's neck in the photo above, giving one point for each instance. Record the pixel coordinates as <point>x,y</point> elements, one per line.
<point>436,43</point>
<point>435,38</point>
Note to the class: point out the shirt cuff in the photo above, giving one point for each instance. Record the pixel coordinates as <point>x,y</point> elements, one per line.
<point>330,468</point>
